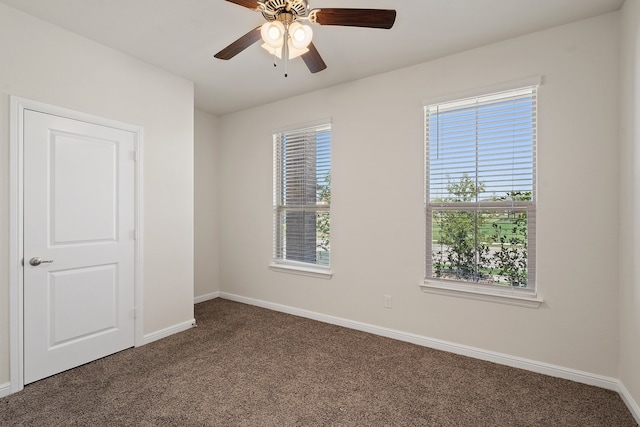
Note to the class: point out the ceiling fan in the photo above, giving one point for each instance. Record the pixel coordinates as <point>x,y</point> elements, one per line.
<point>287,35</point>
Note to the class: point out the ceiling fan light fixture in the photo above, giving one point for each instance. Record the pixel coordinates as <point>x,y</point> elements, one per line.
<point>294,51</point>
<point>277,51</point>
<point>272,34</point>
<point>301,35</point>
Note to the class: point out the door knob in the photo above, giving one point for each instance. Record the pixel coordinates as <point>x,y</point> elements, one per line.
<point>36,261</point>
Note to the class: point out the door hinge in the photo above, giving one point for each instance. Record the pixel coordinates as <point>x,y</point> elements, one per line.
<point>134,234</point>
<point>134,156</point>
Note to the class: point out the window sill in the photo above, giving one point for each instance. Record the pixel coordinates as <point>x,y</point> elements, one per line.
<point>517,297</point>
<point>303,270</point>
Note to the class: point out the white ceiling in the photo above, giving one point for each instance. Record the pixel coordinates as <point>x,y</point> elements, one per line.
<point>182,36</point>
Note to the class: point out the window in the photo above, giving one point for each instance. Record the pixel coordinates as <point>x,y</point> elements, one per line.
<point>302,197</point>
<point>480,176</point>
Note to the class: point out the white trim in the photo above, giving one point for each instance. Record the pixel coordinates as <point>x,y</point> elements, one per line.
<point>139,225</point>
<point>5,390</point>
<point>628,400</point>
<point>477,353</point>
<point>500,87</point>
<point>16,175</point>
<point>480,293</point>
<point>206,297</point>
<point>163,333</point>
<point>302,270</point>
<point>16,373</point>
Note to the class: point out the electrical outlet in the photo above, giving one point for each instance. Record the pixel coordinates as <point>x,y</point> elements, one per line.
<point>387,301</point>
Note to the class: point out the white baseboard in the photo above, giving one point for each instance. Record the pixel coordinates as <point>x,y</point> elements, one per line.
<point>163,333</point>
<point>631,404</point>
<point>206,297</point>
<point>477,353</point>
<point>5,389</point>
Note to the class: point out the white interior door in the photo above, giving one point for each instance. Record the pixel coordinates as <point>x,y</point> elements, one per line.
<point>79,249</point>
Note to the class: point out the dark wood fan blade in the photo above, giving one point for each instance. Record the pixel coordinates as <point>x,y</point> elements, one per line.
<point>313,60</point>
<point>239,45</point>
<point>251,4</point>
<point>371,18</point>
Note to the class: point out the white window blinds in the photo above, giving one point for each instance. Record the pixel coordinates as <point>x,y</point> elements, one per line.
<point>302,195</point>
<point>489,139</point>
<point>480,170</point>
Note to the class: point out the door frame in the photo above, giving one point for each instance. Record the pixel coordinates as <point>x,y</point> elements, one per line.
<point>16,227</point>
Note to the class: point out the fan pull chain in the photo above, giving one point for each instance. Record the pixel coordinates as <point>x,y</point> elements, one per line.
<point>285,49</point>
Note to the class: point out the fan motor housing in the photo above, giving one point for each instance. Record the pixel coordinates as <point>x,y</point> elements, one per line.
<point>273,8</point>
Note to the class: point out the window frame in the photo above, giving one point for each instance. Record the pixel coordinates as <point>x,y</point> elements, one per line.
<point>280,207</point>
<point>526,297</point>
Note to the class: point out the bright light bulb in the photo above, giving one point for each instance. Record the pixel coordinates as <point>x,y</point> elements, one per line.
<point>273,33</point>
<point>301,35</point>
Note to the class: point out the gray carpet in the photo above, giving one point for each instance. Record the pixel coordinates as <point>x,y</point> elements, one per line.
<point>247,366</point>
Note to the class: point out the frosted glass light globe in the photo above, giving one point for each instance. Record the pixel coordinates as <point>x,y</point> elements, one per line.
<point>301,35</point>
<point>273,33</point>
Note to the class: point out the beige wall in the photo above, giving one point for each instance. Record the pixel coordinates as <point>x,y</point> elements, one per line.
<point>47,64</point>
<point>630,200</point>
<point>377,200</point>
<point>206,212</point>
